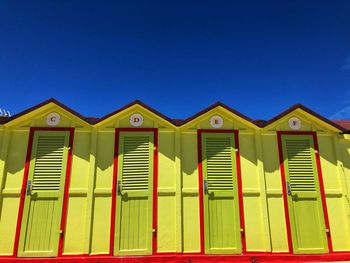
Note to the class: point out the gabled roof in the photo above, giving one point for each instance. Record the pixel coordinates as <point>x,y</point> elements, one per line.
<point>3,120</point>
<point>213,106</point>
<point>342,125</point>
<point>135,102</point>
<point>52,100</point>
<point>306,109</point>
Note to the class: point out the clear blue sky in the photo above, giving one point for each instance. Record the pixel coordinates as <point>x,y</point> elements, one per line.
<point>258,57</point>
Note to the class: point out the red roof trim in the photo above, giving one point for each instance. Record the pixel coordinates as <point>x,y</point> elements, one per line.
<point>52,100</point>
<point>311,112</point>
<point>213,106</point>
<point>342,125</point>
<point>136,102</point>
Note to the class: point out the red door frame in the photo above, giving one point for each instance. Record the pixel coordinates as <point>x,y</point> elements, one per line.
<point>66,186</point>
<point>320,178</point>
<point>239,184</point>
<point>155,184</point>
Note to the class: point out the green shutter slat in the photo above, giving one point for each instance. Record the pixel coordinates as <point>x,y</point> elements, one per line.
<point>48,163</point>
<point>300,166</point>
<point>136,161</point>
<point>219,164</point>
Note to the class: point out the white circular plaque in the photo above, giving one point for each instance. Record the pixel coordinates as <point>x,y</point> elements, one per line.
<point>136,120</point>
<point>294,123</point>
<point>53,119</point>
<point>216,121</point>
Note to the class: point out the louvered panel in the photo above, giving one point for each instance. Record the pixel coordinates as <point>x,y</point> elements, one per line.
<point>48,163</point>
<point>300,167</point>
<point>219,164</point>
<point>136,161</point>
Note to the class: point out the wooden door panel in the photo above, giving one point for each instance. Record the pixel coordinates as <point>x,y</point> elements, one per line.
<point>303,195</point>
<point>221,206</point>
<point>134,194</point>
<point>40,228</point>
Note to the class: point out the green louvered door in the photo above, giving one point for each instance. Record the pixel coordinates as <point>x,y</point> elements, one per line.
<point>221,206</point>
<point>133,235</point>
<point>303,194</point>
<point>40,228</point>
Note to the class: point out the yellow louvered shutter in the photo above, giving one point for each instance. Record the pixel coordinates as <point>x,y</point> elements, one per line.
<point>300,165</point>
<point>219,163</point>
<point>136,160</point>
<point>48,164</point>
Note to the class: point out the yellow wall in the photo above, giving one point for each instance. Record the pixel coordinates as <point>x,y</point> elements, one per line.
<point>90,190</point>
<point>12,169</point>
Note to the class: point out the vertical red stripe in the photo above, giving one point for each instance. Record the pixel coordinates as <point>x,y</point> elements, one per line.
<point>284,192</point>
<point>23,189</point>
<point>240,191</point>
<point>323,195</point>
<point>200,186</point>
<point>155,190</point>
<point>114,192</point>
<point>66,189</point>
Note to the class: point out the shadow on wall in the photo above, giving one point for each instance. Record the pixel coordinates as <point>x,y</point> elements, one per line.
<point>16,158</point>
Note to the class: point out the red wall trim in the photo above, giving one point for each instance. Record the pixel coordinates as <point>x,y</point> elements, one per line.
<point>155,190</point>
<point>284,192</point>
<point>25,177</point>
<point>200,181</point>
<point>240,192</point>
<point>200,186</point>
<point>115,176</point>
<point>66,190</point>
<point>22,196</point>
<point>323,195</point>
<point>320,177</point>
<point>114,191</point>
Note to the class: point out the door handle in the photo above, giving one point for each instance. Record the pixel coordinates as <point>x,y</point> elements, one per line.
<point>205,187</point>
<point>29,187</point>
<point>119,187</point>
<point>289,191</point>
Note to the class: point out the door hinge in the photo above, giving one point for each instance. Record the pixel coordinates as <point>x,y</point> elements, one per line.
<point>61,232</point>
<point>154,232</point>
<point>242,231</point>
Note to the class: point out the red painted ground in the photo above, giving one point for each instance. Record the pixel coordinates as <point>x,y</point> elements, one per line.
<point>254,258</point>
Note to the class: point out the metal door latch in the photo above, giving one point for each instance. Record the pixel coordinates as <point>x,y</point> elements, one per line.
<point>289,192</point>
<point>119,187</point>
<point>29,187</point>
<point>205,186</point>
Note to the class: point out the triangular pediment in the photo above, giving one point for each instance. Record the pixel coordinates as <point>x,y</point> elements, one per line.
<point>38,115</point>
